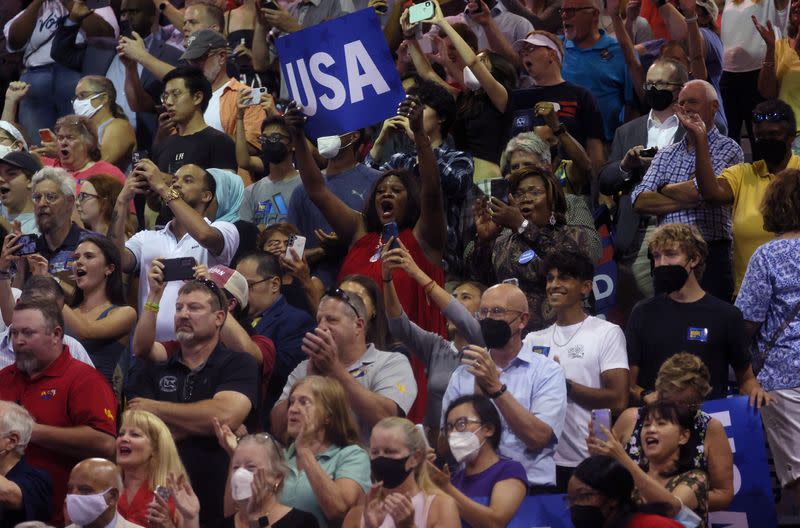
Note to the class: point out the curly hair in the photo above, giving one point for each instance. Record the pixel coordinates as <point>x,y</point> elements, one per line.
<point>781,203</point>
<point>688,239</point>
<point>85,129</point>
<point>684,371</point>
<point>284,228</point>
<point>555,193</point>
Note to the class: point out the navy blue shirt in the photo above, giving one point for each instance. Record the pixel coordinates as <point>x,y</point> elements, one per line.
<point>37,492</point>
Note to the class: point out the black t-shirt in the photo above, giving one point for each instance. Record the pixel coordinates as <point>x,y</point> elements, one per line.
<point>711,329</point>
<point>172,381</point>
<point>208,148</point>
<point>37,491</point>
<point>578,112</point>
<point>481,131</point>
<point>292,519</point>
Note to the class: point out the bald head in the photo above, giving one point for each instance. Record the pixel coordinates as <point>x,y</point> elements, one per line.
<point>95,474</point>
<point>506,296</point>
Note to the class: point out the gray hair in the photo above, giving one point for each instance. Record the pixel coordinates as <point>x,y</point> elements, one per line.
<point>275,456</point>
<point>356,302</point>
<point>526,142</point>
<point>16,419</point>
<point>66,183</point>
<point>711,93</point>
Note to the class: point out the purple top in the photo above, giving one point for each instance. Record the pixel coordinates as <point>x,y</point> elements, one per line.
<point>481,484</point>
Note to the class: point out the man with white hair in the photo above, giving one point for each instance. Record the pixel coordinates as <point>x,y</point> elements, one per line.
<point>676,163</point>
<point>53,195</point>
<point>93,492</point>
<point>26,490</point>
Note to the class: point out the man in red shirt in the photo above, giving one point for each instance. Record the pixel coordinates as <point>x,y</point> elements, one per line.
<point>72,403</point>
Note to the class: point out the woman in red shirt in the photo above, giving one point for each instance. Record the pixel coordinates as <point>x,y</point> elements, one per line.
<point>147,455</point>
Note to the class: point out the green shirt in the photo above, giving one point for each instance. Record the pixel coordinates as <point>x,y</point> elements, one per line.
<point>351,462</point>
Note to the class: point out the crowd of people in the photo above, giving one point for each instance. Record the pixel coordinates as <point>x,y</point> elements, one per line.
<point>211,319</point>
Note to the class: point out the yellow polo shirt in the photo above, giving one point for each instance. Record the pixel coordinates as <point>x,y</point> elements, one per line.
<point>749,184</point>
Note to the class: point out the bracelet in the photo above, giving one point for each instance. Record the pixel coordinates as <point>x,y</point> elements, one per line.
<point>495,395</point>
<point>151,307</point>
<point>691,19</point>
<point>5,275</point>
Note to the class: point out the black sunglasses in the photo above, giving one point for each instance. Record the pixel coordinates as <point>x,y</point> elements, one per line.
<point>770,117</point>
<point>211,285</point>
<point>338,293</point>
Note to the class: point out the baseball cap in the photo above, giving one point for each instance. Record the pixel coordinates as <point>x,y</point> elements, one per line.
<point>710,6</point>
<point>537,40</point>
<point>201,42</point>
<point>21,159</point>
<point>231,281</point>
<point>13,132</point>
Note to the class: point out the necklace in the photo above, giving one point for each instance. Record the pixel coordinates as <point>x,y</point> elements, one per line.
<point>562,345</point>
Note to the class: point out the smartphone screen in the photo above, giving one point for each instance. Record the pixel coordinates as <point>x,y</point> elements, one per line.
<point>390,230</point>
<point>46,135</point>
<point>499,188</point>
<point>419,12</point>
<point>28,245</point>
<point>601,417</point>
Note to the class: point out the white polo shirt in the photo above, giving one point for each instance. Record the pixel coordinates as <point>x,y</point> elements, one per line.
<point>147,245</point>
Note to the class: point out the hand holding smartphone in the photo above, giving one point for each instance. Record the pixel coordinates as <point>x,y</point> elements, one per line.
<point>181,268</point>
<point>420,12</point>
<point>601,417</point>
<point>296,243</point>
<point>391,230</point>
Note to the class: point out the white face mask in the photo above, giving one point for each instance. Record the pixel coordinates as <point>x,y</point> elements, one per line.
<point>240,484</point>
<point>329,146</point>
<point>85,509</point>
<point>464,446</point>
<point>470,81</point>
<point>83,107</point>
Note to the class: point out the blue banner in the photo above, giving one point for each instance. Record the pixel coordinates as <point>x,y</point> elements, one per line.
<point>341,73</point>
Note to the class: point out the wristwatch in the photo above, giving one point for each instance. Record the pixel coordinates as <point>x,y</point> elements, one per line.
<point>495,395</point>
<point>560,129</point>
<point>172,194</point>
<point>523,226</point>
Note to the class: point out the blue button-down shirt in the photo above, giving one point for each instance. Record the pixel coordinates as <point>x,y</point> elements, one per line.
<point>538,384</point>
<point>675,164</point>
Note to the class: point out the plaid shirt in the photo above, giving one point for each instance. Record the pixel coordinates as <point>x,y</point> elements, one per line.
<point>675,164</point>
<point>455,173</point>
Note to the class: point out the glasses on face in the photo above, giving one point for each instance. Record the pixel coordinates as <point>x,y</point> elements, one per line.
<point>532,191</point>
<point>171,95</point>
<point>582,498</point>
<point>83,196</point>
<point>342,295</point>
<point>569,12</point>
<point>273,138</point>
<point>660,85</point>
<point>496,312</point>
<point>48,197</point>
<point>460,424</point>
<point>6,141</point>
<point>770,117</point>
<point>250,284</point>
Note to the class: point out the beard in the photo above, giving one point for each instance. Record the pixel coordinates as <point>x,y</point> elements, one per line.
<point>185,336</point>
<point>26,362</point>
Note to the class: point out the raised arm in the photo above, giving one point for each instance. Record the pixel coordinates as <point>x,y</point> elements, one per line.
<point>497,92</point>
<point>21,29</point>
<point>91,23</point>
<point>134,184</point>
<point>431,227</point>
<point>14,93</point>
<point>418,58</point>
<point>626,43</point>
<point>133,48</point>
<point>138,98</point>
<point>243,158</point>
<point>713,190</point>
<point>346,222</point>
<point>768,85</point>
<point>497,41</point>
<point>145,345</point>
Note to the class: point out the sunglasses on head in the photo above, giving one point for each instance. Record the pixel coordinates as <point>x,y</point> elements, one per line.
<point>338,293</point>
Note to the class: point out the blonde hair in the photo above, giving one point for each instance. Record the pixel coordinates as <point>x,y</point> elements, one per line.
<point>165,459</point>
<point>684,371</point>
<point>688,239</point>
<point>415,442</point>
<point>332,410</point>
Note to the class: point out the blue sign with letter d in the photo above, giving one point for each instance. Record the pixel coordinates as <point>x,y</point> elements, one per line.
<point>341,73</point>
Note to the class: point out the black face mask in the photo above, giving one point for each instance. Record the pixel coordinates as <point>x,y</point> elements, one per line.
<point>658,99</point>
<point>587,517</point>
<point>772,151</point>
<point>670,278</point>
<point>274,152</point>
<point>496,333</point>
<point>391,471</point>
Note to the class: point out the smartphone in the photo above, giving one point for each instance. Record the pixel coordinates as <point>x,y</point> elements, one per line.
<point>601,417</point>
<point>648,152</point>
<point>255,96</point>
<point>163,492</point>
<point>181,268</point>
<point>499,188</point>
<point>97,4</point>
<point>46,135</point>
<point>269,4</point>
<point>391,230</point>
<point>28,245</point>
<point>296,243</point>
<point>138,156</point>
<point>420,12</point>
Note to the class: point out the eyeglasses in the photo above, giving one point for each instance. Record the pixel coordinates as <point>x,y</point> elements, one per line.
<point>770,117</point>
<point>174,94</point>
<point>579,497</point>
<point>460,425</point>
<point>533,191</point>
<point>569,12</point>
<point>83,196</point>
<point>48,197</point>
<point>251,284</point>
<point>211,285</point>
<point>343,296</point>
<point>496,312</point>
<point>273,138</point>
<point>660,85</point>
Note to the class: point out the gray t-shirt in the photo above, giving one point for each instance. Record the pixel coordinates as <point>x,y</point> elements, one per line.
<point>266,202</point>
<point>386,373</point>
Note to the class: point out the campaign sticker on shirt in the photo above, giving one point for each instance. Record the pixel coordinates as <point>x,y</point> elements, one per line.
<point>527,256</point>
<point>47,394</point>
<point>606,55</point>
<point>263,209</point>
<point>543,350</point>
<point>697,334</point>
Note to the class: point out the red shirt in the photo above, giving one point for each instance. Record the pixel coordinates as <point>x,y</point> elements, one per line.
<point>68,393</point>
<point>648,520</point>
<point>136,511</point>
<point>99,167</point>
